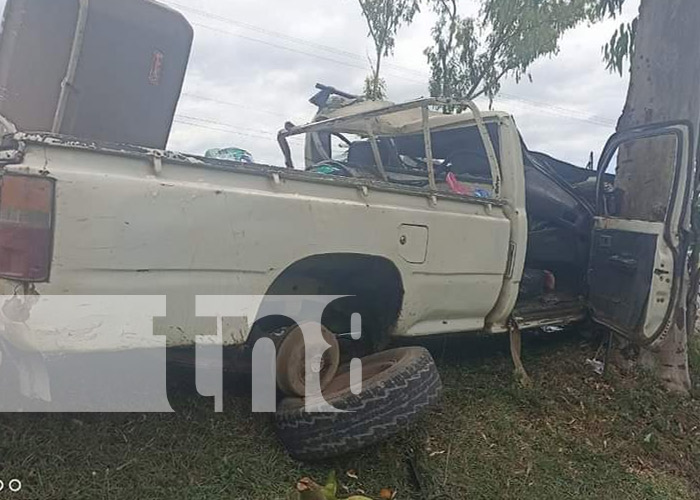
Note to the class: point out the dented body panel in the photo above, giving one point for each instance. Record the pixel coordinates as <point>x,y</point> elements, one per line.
<point>136,221</point>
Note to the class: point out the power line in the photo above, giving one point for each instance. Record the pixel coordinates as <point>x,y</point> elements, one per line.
<point>235,104</point>
<point>539,105</point>
<point>265,31</point>
<point>560,111</point>
<point>297,51</point>
<point>218,129</point>
<point>284,36</point>
<point>224,124</point>
<point>227,127</point>
<point>597,120</point>
<point>554,110</point>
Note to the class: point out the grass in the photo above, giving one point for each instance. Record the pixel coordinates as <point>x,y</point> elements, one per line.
<point>574,435</point>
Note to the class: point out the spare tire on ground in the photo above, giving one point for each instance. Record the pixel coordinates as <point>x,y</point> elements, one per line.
<point>397,386</point>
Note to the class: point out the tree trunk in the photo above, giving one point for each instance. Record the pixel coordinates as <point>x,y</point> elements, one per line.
<point>664,85</point>
<point>377,69</point>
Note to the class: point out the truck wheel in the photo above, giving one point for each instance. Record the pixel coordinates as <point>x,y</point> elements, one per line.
<point>291,366</point>
<point>397,386</point>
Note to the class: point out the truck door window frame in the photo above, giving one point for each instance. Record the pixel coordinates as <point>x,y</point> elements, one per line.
<point>675,221</point>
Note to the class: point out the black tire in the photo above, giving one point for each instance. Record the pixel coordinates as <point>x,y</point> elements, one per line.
<point>397,386</point>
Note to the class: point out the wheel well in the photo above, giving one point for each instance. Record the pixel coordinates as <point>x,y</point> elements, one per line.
<point>372,286</point>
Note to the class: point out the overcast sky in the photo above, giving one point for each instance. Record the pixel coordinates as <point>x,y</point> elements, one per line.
<point>254,65</point>
<point>258,62</point>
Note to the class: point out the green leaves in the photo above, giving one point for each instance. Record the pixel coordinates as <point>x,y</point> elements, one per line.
<point>471,55</point>
<point>620,47</point>
<point>384,18</point>
<point>606,8</point>
<point>375,89</point>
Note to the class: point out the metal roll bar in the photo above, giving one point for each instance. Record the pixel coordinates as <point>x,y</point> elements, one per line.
<point>423,104</point>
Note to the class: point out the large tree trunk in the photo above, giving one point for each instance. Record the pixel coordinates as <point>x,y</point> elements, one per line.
<point>665,85</point>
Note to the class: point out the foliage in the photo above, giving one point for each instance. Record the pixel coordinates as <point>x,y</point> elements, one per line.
<point>471,55</point>
<point>375,89</point>
<point>621,45</point>
<point>607,8</point>
<point>384,18</point>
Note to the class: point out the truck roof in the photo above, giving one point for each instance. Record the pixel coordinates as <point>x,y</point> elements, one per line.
<point>396,120</point>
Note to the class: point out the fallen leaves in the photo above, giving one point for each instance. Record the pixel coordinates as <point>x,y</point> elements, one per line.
<point>308,489</point>
<point>305,484</point>
<point>387,494</point>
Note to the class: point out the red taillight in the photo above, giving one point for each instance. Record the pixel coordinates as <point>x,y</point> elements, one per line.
<point>26,227</point>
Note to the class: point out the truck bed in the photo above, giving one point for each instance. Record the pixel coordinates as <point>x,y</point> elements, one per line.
<point>133,221</point>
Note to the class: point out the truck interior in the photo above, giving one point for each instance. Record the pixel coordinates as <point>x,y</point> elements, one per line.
<point>560,200</point>
<point>458,151</point>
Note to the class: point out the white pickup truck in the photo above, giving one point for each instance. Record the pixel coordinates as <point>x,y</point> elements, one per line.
<point>113,219</point>
<point>429,223</point>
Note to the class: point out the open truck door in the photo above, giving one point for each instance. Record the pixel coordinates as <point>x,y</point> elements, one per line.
<point>636,266</point>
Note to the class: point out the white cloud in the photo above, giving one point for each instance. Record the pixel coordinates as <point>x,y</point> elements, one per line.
<point>269,59</point>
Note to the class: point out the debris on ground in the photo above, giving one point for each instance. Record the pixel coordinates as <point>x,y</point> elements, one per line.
<point>308,489</point>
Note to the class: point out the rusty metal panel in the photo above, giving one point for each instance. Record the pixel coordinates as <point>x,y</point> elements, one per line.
<point>130,62</point>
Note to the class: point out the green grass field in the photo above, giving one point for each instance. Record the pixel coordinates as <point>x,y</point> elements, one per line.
<point>574,435</point>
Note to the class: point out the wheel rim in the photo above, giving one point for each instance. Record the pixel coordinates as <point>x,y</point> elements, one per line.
<point>291,366</point>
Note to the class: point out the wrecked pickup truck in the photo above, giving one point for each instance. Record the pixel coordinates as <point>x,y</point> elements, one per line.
<point>398,222</point>
<point>424,223</point>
